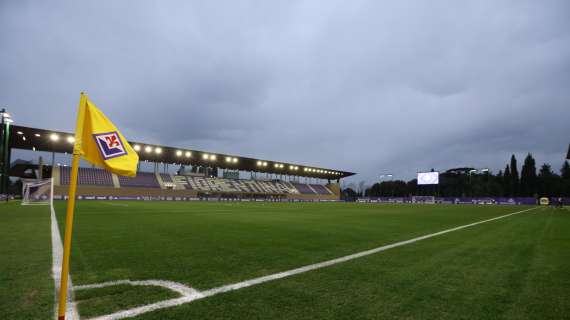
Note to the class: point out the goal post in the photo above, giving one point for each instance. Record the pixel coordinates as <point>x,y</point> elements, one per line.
<point>37,192</point>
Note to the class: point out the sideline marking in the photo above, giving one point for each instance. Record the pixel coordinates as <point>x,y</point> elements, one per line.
<point>247,283</point>
<point>57,257</point>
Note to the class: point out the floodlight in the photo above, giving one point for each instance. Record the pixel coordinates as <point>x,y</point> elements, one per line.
<point>24,138</point>
<point>188,154</point>
<point>54,137</point>
<point>37,135</point>
<point>276,165</point>
<point>70,139</point>
<point>158,150</point>
<point>205,156</point>
<point>178,153</point>
<point>235,160</point>
<point>213,157</point>
<point>148,149</point>
<point>20,132</point>
<point>264,164</point>
<point>259,163</point>
<point>137,147</point>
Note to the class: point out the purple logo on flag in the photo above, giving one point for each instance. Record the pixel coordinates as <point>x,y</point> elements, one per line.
<point>110,145</point>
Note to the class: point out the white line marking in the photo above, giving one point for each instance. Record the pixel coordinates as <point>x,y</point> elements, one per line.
<point>57,257</point>
<point>174,286</point>
<point>200,295</point>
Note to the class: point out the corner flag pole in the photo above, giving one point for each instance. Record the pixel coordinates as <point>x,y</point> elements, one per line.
<point>70,210</point>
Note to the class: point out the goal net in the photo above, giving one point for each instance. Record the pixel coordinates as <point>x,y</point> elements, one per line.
<point>37,192</point>
<point>423,199</point>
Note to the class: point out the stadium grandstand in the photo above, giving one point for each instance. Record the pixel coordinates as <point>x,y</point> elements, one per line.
<point>196,175</point>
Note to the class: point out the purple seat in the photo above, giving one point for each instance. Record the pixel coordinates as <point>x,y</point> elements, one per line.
<point>166,177</point>
<point>320,189</point>
<point>142,180</point>
<point>87,176</point>
<point>303,188</point>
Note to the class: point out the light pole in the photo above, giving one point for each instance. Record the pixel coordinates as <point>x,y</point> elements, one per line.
<point>5,120</point>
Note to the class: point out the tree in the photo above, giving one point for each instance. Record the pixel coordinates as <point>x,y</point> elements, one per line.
<point>565,171</point>
<point>514,176</point>
<point>528,177</point>
<point>507,182</point>
<point>565,183</point>
<point>349,194</point>
<point>547,181</point>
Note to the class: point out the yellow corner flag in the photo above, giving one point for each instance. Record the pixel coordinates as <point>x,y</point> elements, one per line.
<point>98,141</point>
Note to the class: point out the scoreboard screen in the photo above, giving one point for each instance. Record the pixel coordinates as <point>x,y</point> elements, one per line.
<point>428,178</point>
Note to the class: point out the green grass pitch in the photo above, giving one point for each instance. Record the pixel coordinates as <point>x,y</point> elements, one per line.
<point>513,268</point>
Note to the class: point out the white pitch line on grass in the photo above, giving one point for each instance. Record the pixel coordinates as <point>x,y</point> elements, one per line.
<point>248,283</point>
<point>57,257</point>
<point>171,285</point>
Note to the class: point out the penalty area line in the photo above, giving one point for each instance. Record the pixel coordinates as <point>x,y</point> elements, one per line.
<point>280,275</point>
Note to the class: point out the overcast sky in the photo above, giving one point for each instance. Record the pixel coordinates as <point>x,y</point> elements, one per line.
<point>365,86</point>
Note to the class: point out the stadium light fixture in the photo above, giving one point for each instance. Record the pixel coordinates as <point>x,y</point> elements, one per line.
<point>37,135</point>
<point>213,157</point>
<point>259,163</point>
<point>188,154</point>
<point>228,159</point>
<point>264,164</point>
<point>178,153</point>
<point>20,132</point>
<point>235,160</point>
<point>148,149</point>
<point>70,139</point>
<point>54,137</point>
<point>205,156</point>
<point>24,138</point>
<point>137,147</point>
<point>158,150</point>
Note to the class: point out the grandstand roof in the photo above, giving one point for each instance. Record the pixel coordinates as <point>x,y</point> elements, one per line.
<point>58,141</point>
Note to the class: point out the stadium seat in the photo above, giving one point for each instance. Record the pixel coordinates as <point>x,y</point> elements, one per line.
<point>87,176</point>
<point>142,180</point>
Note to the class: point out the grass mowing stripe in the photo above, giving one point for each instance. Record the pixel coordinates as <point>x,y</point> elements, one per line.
<point>175,302</point>
<point>26,287</point>
<point>478,273</point>
<point>190,246</point>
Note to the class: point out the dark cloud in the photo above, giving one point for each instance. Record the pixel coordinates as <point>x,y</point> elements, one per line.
<point>366,86</point>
